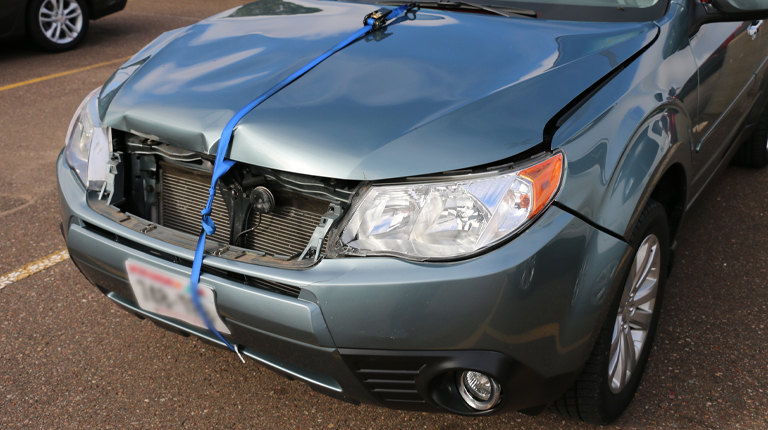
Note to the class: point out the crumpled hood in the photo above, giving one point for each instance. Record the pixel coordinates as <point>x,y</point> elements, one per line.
<point>443,91</point>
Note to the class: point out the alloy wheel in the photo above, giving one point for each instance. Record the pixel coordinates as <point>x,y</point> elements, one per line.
<point>61,20</point>
<point>635,313</point>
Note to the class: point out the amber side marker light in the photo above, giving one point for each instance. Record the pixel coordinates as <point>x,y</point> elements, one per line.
<point>545,179</point>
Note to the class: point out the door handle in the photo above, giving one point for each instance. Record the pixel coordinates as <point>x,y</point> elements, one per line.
<point>754,28</point>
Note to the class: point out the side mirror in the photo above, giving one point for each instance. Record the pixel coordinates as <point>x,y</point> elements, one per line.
<point>707,11</point>
<point>758,7</point>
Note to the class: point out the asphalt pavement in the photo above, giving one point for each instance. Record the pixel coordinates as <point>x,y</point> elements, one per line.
<point>69,358</point>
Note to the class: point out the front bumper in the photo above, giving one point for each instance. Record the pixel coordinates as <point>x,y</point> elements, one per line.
<point>526,313</point>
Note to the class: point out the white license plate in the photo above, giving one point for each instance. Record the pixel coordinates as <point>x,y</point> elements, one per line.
<point>170,295</point>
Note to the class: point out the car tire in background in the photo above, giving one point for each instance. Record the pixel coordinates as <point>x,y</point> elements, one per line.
<point>57,25</point>
<point>754,151</point>
<point>612,373</point>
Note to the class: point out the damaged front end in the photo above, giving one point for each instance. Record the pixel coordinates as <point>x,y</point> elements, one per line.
<point>263,216</point>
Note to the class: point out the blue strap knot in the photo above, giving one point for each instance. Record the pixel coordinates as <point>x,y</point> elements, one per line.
<point>208,226</point>
<point>373,21</point>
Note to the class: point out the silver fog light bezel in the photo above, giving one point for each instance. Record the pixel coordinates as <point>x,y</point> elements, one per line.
<point>472,401</point>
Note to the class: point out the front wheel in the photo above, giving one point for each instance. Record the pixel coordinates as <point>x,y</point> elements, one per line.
<point>612,373</point>
<point>57,25</point>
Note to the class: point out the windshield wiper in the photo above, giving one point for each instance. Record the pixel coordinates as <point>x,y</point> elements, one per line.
<point>458,4</point>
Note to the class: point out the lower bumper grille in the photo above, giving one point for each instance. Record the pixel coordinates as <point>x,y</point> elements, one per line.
<point>391,380</point>
<point>275,287</point>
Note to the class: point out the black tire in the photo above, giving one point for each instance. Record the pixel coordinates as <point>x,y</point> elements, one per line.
<point>39,14</point>
<point>754,151</point>
<point>590,398</point>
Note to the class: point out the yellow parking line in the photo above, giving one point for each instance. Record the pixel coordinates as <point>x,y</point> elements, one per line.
<point>58,75</point>
<point>33,267</point>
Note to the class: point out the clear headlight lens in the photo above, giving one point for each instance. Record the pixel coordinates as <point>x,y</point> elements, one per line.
<point>452,218</point>
<point>87,143</point>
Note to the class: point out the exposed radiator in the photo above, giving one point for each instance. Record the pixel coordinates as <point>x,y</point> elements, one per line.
<point>286,231</point>
<point>181,201</point>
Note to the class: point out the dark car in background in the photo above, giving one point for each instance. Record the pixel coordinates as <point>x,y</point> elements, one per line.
<point>53,25</point>
<point>459,212</point>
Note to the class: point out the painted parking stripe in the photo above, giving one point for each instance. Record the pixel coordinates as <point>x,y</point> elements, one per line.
<point>58,75</point>
<point>33,267</point>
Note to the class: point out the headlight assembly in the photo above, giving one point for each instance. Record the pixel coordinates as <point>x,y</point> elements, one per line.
<point>87,143</point>
<point>451,218</point>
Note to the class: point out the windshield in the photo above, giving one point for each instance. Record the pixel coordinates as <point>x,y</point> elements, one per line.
<point>565,10</point>
<point>603,3</point>
<point>593,10</point>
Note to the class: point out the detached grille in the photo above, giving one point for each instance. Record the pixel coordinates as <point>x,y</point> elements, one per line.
<point>284,232</point>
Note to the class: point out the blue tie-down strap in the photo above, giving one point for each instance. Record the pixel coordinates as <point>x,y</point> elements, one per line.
<point>373,21</point>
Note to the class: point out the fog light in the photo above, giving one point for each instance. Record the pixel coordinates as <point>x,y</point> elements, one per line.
<point>479,391</point>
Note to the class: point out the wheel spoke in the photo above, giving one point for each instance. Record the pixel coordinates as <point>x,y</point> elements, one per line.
<point>615,340</point>
<point>58,32</point>
<point>66,31</point>
<point>619,362</point>
<point>641,319</point>
<point>613,366</point>
<point>72,6</point>
<point>75,31</point>
<point>71,28</point>
<point>47,19</point>
<point>641,258</point>
<point>629,343</point>
<point>647,292</point>
<point>74,14</point>
<point>648,253</point>
<point>622,367</point>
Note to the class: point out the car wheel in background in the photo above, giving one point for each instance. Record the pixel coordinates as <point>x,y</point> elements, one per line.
<point>57,25</point>
<point>612,373</point>
<point>754,152</point>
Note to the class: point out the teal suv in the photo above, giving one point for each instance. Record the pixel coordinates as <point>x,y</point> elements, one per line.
<point>467,208</point>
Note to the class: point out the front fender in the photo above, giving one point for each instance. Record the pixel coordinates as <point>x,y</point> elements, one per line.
<point>620,142</point>
<point>655,146</point>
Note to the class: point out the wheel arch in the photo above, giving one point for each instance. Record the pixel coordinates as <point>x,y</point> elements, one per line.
<point>659,157</point>
<point>672,192</point>
<point>654,164</point>
<point>91,4</point>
